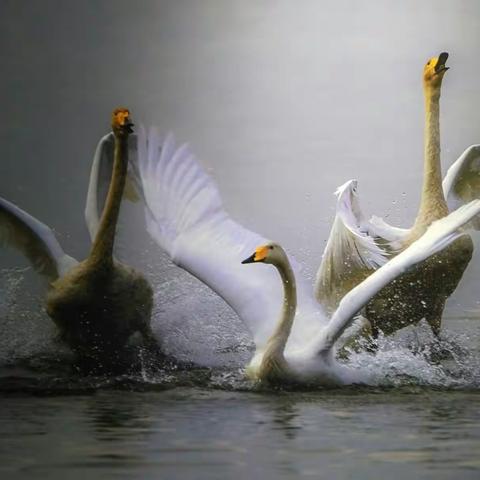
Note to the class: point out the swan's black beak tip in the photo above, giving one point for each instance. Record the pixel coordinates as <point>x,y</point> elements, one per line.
<point>250,259</point>
<point>442,60</point>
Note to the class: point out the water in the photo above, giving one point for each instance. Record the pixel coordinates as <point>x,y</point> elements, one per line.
<point>194,433</point>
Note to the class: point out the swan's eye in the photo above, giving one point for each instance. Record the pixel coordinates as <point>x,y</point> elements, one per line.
<point>271,247</point>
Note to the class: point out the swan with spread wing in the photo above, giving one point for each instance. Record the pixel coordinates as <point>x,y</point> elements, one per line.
<point>294,338</point>
<point>357,247</point>
<point>98,303</point>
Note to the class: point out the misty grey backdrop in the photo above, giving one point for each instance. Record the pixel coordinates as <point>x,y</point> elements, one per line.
<point>281,100</point>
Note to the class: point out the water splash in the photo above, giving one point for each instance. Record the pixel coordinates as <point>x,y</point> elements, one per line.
<point>415,357</point>
<point>26,329</point>
<point>196,326</point>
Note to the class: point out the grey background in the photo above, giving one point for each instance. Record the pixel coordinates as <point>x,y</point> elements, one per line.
<point>282,101</point>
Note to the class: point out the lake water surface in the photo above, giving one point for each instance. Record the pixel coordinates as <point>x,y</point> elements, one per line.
<point>198,433</point>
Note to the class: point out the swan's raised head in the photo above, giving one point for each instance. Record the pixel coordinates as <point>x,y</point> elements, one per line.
<point>121,122</point>
<point>434,70</point>
<point>268,253</point>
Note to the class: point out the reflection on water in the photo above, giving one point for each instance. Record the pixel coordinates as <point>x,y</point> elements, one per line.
<point>193,433</point>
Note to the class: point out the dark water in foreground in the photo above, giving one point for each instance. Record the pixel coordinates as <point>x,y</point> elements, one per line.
<point>212,424</point>
<point>196,433</point>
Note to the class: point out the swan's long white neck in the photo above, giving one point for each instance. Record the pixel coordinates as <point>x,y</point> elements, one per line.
<point>275,346</point>
<point>432,205</point>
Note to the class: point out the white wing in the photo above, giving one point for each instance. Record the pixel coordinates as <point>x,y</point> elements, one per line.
<point>378,228</point>
<point>462,181</point>
<point>352,252</point>
<point>185,216</point>
<point>34,239</point>
<point>439,235</point>
<point>100,175</point>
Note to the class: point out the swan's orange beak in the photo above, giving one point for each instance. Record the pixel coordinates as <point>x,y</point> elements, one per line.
<point>258,256</point>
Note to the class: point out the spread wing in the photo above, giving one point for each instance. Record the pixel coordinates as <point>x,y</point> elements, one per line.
<point>438,236</point>
<point>100,175</point>
<point>185,216</point>
<point>462,181</point>
<point>352,252</point>
<point>378,228</point>
<point>34,239</point>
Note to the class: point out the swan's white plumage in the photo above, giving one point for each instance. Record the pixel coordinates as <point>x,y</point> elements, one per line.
<point>185,216</point>
<point>354,231</point>
<point>34,239</point>
<point>378,228</point>
<point>99,171</point>
<point>351,249</point>
<point>462,181</point>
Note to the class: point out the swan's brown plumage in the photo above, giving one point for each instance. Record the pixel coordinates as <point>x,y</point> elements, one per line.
<point>100,302</point>
<point>422,292</point>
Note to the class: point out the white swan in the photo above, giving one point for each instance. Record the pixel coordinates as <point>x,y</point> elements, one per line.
<point>357,246</point>
<point>294,338</point>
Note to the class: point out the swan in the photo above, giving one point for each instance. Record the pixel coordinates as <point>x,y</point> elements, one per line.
<point>294,339</point>
<point>357,247</point>
<point>97,304</point>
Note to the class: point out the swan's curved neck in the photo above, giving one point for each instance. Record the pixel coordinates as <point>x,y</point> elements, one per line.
<point>432,205</point>
<point>276,343</point>
<point>102,248</point>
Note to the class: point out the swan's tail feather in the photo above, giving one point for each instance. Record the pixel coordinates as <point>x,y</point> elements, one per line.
<point>178,194</point>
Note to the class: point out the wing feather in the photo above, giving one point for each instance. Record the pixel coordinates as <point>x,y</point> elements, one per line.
<point>462,181</point>
<point>378,228</point>
<point>99,183</point>
<point>34,239</point>
<point>352,252</point>
<point>185,216</point>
